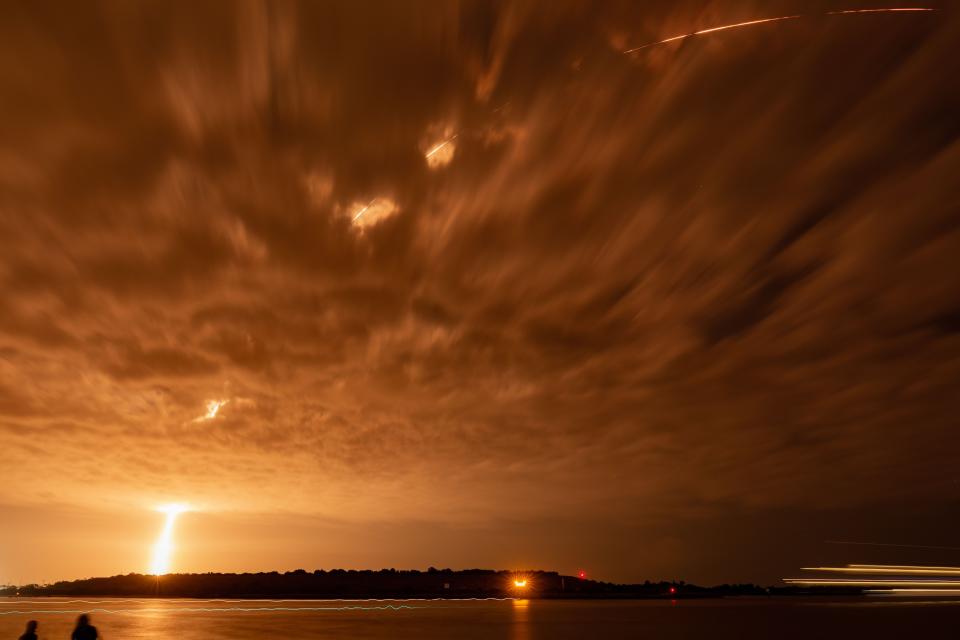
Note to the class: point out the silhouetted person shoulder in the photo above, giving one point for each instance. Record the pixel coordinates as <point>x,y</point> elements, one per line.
<point>84,630</point>
<point>31,632</point>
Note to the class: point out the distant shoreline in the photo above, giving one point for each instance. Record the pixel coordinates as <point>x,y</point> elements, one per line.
<point>393,584</point>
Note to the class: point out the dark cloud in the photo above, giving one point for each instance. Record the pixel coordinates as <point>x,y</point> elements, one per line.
<point>713,277</point>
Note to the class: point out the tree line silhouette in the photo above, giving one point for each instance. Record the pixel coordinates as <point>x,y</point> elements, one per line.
<point>385,583</point>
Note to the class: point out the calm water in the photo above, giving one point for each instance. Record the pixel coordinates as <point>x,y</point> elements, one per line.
<point>742,618</point>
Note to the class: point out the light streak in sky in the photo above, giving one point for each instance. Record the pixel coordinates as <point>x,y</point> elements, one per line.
<point>213,407</point>
<point>711,30</point>
<point>374,211</point>
<point>440,146</point>
<point>363,210</point>
<point>163,548</point>
<point>776,19</point>
<point>441,153</point>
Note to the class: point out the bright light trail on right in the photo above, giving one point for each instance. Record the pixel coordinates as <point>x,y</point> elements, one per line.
<point>888,579</point>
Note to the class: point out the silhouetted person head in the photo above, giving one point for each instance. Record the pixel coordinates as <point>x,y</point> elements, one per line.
<point>84,630</point>
<point>31,631</point>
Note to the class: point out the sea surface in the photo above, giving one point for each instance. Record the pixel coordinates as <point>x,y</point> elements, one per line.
<point>717,619</point>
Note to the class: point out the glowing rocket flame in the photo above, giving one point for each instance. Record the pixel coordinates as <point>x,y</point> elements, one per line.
<point>374,211</point>
<point>163,548</point>
<point>441,153</point>
<point>711,30</point>
<point>363,211</point>
<point>777,19</point>
<point>440,146</point>
<point>213,407</point>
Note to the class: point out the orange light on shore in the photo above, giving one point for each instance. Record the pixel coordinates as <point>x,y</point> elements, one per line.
<point>520,584</point>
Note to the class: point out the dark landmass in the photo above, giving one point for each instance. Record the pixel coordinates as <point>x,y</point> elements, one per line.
<point>390,583</point>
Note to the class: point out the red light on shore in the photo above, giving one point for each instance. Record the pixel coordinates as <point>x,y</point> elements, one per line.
<point>582,574</point>
<point>673,589</point>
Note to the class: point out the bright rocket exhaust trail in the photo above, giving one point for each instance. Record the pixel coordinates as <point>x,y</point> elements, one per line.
<point>213,406</point>
<point>362,211</point>
<point>711,30</point>
<point>777,19</point>
<point>440,146</point>
<point>163,548</point>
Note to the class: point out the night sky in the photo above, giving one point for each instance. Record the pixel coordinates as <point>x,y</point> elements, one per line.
<point>400,284</point>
